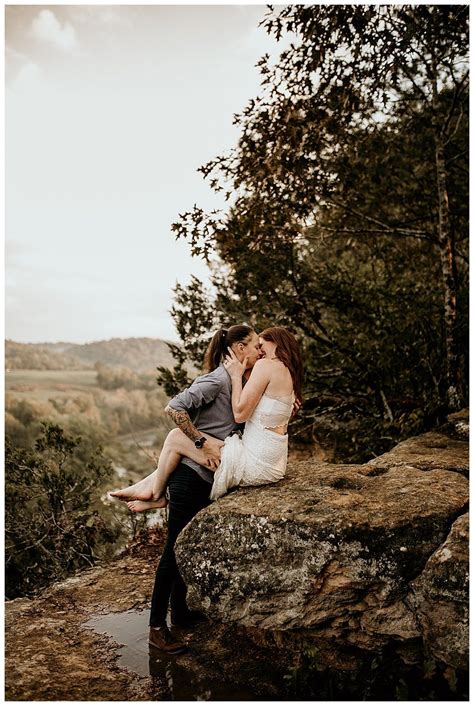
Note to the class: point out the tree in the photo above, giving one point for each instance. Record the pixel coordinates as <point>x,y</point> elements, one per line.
<point>353,74</point>
<point>51,527</point>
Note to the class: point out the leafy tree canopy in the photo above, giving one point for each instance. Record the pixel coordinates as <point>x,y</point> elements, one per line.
<point>347,218</point>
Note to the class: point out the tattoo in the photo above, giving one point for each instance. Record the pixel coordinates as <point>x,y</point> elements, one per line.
<point>183,421</point>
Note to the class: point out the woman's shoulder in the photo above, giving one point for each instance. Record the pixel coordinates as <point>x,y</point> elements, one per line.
<point>280,381</point>
<point>272,365</point>
<point>217,376</point>
<point>263,366</point>
<point>263,362</point>
<point>271,369</point>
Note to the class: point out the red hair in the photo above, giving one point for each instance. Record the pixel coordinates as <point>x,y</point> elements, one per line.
<point>288,351</point>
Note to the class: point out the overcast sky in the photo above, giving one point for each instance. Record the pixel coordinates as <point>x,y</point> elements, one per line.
<point>109,112</point>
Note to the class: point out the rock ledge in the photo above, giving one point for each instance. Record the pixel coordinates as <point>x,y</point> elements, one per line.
<point>347,559</point>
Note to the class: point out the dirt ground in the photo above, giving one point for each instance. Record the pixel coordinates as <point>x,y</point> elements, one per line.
<point>51,655</point>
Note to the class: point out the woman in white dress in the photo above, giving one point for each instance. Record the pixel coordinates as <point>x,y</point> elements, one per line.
<point>265,403</point>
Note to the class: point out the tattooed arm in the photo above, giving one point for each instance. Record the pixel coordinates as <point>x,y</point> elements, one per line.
<point>212,447</point>
<point>183,421</point>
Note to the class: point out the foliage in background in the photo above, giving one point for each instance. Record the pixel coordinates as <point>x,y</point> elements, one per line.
<point>348,220</point>
<point>51,526</point>
<point>124,403</point>
<point>109,378</point>
<point>56,521</point>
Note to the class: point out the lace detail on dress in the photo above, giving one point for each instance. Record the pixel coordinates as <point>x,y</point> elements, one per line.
<point>273,412</point>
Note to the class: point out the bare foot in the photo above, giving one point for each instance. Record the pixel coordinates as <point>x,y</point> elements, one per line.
<point>143,490</point>
<point>142,506</point>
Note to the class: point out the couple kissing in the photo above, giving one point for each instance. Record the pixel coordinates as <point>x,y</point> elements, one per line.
<point>231,431</point>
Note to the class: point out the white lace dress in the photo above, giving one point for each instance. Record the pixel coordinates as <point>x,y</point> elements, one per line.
<point>260,456</point>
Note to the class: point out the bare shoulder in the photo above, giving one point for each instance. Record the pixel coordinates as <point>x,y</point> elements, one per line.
<point>271,370</point>
<point>263,364</point>
<point>280,381</point>
<point>262,368</point>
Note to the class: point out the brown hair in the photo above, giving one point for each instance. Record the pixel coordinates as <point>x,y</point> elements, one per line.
<point>288,351</point>
<point>221,341</point>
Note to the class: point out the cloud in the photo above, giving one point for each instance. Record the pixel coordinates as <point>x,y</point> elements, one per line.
<point>27,77</point>
<point>12,54</point>
<point>47,27</point>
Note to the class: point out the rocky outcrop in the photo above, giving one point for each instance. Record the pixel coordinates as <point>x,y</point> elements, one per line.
<point>439,598</point>
<point>346,559</point>
<point>50,656</point>
<point>57,651</point>
<point>443,448</point>
<point>341,568</point>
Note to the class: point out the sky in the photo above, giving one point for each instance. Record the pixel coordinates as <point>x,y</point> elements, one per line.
<point>109,111</point>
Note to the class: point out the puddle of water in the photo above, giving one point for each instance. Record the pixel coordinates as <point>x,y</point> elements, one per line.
<point>179,681</point>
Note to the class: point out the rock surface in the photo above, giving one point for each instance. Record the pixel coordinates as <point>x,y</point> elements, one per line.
<point>340,557</point>
<point>444,448</point>
<point>339,562</point>
<point>439,598</point>
<point>49,655</point>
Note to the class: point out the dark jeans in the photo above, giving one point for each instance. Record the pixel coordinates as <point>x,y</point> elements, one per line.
<point>188,493</point>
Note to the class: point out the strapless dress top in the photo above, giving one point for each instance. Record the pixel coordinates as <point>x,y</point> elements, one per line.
<point>272,412</point>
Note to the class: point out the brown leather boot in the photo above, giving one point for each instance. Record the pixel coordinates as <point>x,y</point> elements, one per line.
<point>161,638</point>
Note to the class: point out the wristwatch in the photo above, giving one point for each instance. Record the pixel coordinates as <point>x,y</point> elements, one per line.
<point>199,443</point>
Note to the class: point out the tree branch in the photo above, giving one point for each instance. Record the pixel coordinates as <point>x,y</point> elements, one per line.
<point>454,102</point>
<point>457,156</point>
<point>420,235</point>
<point>385,228</point>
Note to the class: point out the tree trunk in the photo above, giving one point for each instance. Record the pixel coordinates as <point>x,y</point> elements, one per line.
<point>454,391</point>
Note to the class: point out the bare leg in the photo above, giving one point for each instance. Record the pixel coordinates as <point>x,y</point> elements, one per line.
<point>176,446</point>
<point>141,490</point>
<point>152,488</point>
<point>169,459</point>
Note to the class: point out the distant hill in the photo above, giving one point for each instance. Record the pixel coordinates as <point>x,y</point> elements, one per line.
<point>138,354</point>
<point>37,356</point>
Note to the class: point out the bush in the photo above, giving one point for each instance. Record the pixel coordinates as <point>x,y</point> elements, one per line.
<point>51,527</point>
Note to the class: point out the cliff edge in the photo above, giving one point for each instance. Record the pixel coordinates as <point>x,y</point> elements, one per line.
<point>346,570</point>
<point>344,560</point>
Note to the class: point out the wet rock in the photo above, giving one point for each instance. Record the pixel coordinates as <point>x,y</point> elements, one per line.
<point>440,598</point>
<point>49,654</point>
<point>327,557</point>
<point>335,564</point>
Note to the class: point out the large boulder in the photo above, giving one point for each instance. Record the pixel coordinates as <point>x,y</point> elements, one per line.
<point>439,598</point>
<point>327,557</point>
